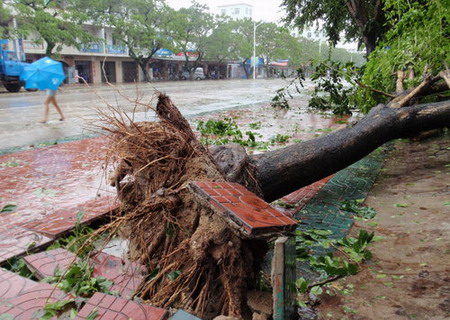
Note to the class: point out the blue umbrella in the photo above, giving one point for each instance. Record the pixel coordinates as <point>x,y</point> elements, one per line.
<point>43,74</point>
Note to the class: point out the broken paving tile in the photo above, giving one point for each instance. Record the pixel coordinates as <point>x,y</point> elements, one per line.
<point>56,224</point>
<point>16,241</point>
<point>244,208</point>
<point>125,275</point>
<point>45,263</point>
<point>12,285</point>
<point>110,307</point>
<point>28,304</point>
<point>71,171</point>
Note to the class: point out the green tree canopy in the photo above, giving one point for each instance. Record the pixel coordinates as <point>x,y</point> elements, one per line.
<point>419,42</point>
<point>360,20</point>
<point>190,30</point>
<point>4,18</point>
<point>224,41</point>
<point>141,25</point>
<point>54,22</point>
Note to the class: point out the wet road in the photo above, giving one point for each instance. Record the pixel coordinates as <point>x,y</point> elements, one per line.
<point>20,112</point>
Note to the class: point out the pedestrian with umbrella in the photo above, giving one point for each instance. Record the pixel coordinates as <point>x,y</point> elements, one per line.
<point>45,74</point>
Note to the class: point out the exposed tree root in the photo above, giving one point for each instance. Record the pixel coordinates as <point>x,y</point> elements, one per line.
<point>194,259</point>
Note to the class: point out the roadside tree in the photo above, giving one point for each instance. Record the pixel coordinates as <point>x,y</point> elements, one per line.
<point>244,28</point>
<point>197,260</point>
<point>360,20</point>
<point>4,17</point>
<point>276,43</point>
<point>223,42</point>
<point>52,22</point>
<point>140,25</point>
<point>190,29</point>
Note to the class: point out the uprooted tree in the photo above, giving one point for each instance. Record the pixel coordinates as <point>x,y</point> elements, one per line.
<point>195,259</point>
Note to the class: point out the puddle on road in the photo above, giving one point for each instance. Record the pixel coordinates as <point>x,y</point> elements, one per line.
<point>298,122</point>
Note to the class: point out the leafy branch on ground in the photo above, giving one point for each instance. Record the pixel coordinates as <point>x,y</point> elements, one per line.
<point>8,208</point>
<point>52,310</point>
<point>351,253</point>
<point>280,100</point>
<point>220,132</point>
<point>358,208</point>
<point>78,280</point>
<point>332,90</point>
<point>79,241</point>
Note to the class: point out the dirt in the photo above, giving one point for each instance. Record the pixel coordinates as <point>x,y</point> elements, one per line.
<point>409,274</point>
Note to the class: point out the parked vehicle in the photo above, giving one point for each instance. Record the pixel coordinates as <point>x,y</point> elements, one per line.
<point>198,74</point>
<point>10,68</point>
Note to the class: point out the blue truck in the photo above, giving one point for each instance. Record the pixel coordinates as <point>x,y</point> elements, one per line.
<point>11,65</point>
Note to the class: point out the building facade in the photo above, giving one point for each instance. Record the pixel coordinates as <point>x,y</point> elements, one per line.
<point>236,11</point>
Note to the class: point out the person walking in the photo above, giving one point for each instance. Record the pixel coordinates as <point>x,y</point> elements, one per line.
<point>51,98</point>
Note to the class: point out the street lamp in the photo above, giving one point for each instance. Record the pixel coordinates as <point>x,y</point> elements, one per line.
<point>254,47</point>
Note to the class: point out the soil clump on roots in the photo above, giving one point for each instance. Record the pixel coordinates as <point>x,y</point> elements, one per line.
<point>194,260</point>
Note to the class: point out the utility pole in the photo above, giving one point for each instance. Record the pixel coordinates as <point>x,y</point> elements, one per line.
<point>254,47</point>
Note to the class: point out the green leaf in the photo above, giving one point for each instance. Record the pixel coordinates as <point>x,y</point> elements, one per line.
<point>92,315</point>
<point>8,208</point>
<point>301,285</point>
<point>10,164</point>
<point>174,275</point>
<point>349,310</point>
<point>317,290</point>
<point>401,205</point>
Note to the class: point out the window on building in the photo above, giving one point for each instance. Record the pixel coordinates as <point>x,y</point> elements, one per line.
<point>309,35</point>
<point>224,11</point>
<point>246,10</point>
<point>250,11</point>
<point>237,10</point>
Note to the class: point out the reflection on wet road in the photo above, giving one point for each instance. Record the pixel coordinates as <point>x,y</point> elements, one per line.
<point>20,112</point>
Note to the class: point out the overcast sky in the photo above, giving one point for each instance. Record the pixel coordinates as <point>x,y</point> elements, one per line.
<point>267,10</point>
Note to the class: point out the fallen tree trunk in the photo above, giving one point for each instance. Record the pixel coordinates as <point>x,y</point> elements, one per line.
<point>283,171</point>
<point>195,259</point>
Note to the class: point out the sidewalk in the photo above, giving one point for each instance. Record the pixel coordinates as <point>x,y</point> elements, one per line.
<point>43,189</point>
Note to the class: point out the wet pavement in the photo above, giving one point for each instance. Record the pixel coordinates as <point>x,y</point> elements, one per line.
<point>20,112</point>
<point>45,190</point>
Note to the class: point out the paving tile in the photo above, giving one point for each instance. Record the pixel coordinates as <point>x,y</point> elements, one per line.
<point>243,207</point>
<point>61,221</point>
<point>298,199</point>
<point>324,211</point>
<point>125,275</point>
<point>45,263</point>
<point>29,303</point>
<point>129,309</point>
<point>55,180</point>
<point>16,241</point>
<point>12,285</point>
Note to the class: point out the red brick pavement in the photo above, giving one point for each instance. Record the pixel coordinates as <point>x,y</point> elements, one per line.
<point>110,307</point>
<point>28,304</point>
<point>125,275</point>
<point>45,263</point>
<point>298,199</point>
<point>13,285</point>
<point>244,207</point>
<point>50,186</point>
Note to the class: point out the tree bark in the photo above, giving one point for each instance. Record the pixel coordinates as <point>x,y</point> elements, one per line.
<point>283,171</point>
